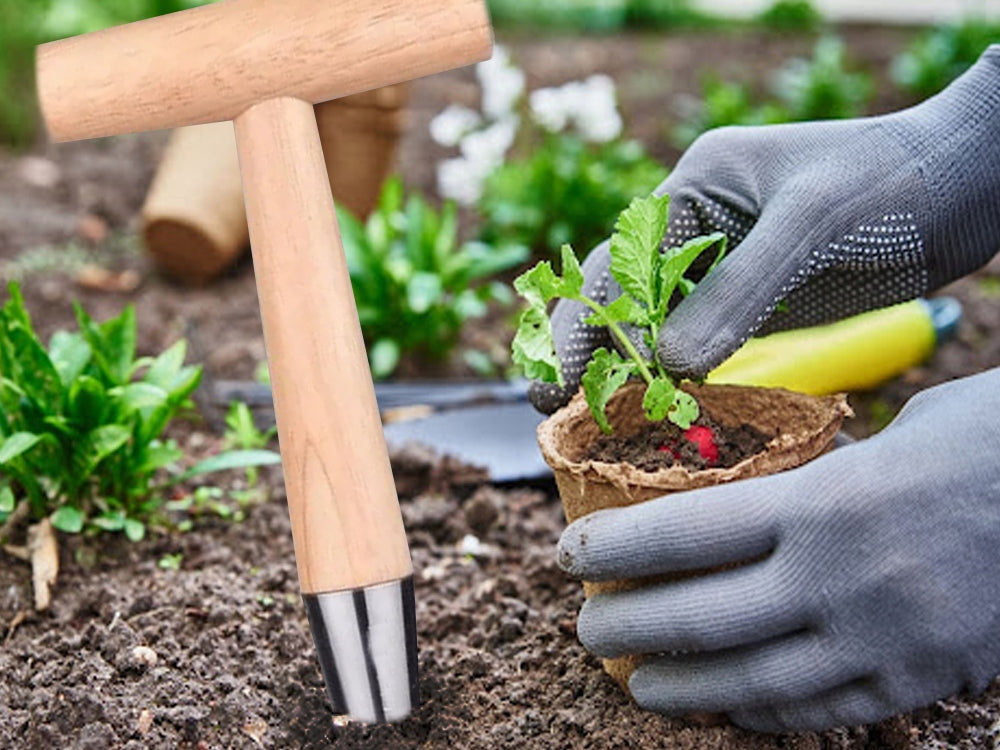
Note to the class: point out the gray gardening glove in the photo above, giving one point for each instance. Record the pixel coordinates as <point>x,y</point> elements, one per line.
<point>833,218</point>
<point>880,592</point>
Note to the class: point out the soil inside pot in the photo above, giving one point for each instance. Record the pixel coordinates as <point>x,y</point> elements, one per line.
<point>660,445</point>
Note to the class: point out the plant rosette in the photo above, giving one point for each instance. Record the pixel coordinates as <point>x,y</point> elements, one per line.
<point>625,397</point>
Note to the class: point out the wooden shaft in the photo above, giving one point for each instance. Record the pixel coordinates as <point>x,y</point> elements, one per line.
<point>214,62</point>
<point>346,523</point>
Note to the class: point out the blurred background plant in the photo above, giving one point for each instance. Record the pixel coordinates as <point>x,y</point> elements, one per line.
<point>937,57</point>
<point>415,284</point>
<point>791,15</point>
<point>25,24</point>
<point>572,172</point>
<point>819,88</point>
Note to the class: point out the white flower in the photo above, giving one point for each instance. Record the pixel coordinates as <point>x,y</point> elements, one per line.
<point>489,145</point>
<point>548,108</point>
<point>454,122</point>
<point>589,106</point>
<point>461,179</point>
<point>501,82</point>
<point>600,127</point>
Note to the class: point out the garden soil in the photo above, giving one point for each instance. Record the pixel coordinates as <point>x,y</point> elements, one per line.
<point>227,660</point>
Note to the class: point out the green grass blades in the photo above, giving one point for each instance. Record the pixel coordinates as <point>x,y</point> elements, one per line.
<point>650,278</point>
<point>82,422</point>
<point>415,285</point>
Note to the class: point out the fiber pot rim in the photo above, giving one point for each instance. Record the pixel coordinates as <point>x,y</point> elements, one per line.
<point>804,426</point>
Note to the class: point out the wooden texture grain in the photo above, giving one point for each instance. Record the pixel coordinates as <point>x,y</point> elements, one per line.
<point>214,62</point>
<point>346,522</point>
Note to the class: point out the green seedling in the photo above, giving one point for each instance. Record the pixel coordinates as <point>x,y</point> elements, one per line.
<point>82,423</point>
<point>170,562</point>
<point>649,279</point>
<point>242,434</point>
<point>415,285</point>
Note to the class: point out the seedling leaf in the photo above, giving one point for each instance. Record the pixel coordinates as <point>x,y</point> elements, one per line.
<point>685,409</point>
<point>635,247</point>
<point>7,500</point>
<point>606,373</point>
<point>230,460</point>
<point>675,263</point>
<point>67,519</point>
<point>659,399</point>
<point>16,444</point>
<point>534,348</point>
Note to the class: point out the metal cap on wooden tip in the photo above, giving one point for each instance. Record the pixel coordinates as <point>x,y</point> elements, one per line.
<point>367,643</point>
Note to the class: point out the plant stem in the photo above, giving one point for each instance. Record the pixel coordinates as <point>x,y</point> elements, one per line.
<point>626,342</point>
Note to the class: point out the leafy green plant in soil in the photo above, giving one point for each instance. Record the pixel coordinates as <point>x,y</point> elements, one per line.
<point>566,190</point>
<point>649,279</point>
<point>82,423</point>
<point>936,58</point>
<point>822,87</point>
<point>414,284</point>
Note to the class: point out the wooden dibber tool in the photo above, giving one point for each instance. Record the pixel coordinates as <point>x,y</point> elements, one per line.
<point>264,64</point>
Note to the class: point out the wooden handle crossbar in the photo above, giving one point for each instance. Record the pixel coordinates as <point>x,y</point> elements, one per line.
<point>214,62</point>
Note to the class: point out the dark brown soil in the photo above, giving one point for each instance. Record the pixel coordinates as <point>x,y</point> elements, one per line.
<point>660,445</point>
<point>500,664</point>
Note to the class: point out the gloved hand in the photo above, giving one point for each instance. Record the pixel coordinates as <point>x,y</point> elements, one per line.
<point>880,592</point>
<point>833,218</point>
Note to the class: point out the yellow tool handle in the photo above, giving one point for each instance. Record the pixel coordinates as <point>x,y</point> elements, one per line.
<point>853,354</point>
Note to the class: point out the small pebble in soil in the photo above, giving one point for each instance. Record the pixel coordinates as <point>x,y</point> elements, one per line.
<point>144,656</point>
<point>145,722</point>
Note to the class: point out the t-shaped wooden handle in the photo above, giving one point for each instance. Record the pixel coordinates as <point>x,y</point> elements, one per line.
<point>213,63</point>
<point>264,64</point>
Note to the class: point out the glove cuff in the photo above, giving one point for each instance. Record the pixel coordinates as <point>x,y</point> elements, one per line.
<point>955,137</point>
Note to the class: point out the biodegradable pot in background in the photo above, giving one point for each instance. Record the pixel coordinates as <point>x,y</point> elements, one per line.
<point>194,222</point>
<point>803,428</point>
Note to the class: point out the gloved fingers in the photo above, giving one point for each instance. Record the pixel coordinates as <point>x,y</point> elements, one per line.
<point>773,672</point>
<point>857,702</point>
<point>685,531</point>
<point>574,339</point>
<point>694,213</point>
<point>706,613</point>
<point>733,302</point>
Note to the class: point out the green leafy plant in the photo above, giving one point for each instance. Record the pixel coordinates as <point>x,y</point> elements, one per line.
<point>723,103</point>
<point>649,279</point>
<point>414,284</point>
<point>667,14</point>
<point>822,87</point>
<point>81,423</point>
<point>791,15</point>
<point>936,58</point>
<point>566,190</point>
<point>242,434</point>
